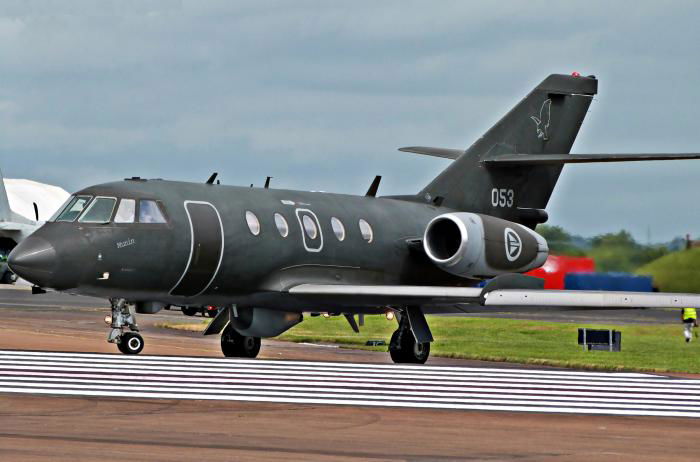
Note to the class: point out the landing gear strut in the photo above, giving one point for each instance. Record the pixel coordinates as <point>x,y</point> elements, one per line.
<point>235,345</point>
<point>129,343</point>
<point>404,348</point>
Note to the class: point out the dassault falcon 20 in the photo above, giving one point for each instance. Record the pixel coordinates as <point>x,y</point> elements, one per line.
<point>270,255</point>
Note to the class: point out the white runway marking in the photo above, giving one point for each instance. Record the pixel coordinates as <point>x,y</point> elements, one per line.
<point>305,382</point>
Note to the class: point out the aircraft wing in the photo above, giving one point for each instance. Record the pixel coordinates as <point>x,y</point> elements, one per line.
<point>438,295</point>
<point>390,294</point>
<point>14,226</point>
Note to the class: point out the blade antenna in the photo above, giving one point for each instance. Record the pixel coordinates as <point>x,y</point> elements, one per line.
<point>212,178</point>
<point>267,182</point>
<point>374,187</point>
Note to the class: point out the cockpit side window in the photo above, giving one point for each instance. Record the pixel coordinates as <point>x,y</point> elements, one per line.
<point>100,211</point>
<point>74,208</point>
<point>126,213</point>
<point>61,208</point>
<point>150,212</point>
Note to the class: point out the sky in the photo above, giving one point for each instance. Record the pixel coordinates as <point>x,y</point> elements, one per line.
<point>320,94</point>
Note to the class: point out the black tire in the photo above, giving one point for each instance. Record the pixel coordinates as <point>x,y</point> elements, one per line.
<point>130,343</point>
<point>235,345</point>
<point>408,351</point>
<point>189,311</point>
<point>8,278</point>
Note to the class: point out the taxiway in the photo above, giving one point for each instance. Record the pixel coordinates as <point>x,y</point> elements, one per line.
<point>66,395</point>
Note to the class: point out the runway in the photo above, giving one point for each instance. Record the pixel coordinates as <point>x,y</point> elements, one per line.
<point>350,384</point>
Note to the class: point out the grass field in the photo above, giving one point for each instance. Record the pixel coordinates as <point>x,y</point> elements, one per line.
<point>659,348</point>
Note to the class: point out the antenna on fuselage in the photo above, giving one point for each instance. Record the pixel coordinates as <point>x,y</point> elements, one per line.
<point>374,187</point>
<point>212,178</point>
<point>267,182</point>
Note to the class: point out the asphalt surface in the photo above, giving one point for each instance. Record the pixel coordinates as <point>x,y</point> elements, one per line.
<point>66,395</point>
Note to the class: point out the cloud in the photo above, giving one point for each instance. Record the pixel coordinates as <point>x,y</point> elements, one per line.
<point>320,94</point>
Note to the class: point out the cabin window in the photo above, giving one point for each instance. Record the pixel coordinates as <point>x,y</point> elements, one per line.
<point>99,211</point>
<point>338,228</point>
<point>253,223</point>
<point>150,212</point>
<point>74,208</point>
<point>126,212</point>
<point>310,227</point>
<point>281,224</point>
<point>366,230</point>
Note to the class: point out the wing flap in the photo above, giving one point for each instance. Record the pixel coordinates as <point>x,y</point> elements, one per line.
<point>592,299</point>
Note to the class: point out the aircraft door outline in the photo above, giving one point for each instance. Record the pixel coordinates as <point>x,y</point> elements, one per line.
<point>206,241</point>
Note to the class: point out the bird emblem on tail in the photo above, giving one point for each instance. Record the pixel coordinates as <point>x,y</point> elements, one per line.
<point>542,122</point>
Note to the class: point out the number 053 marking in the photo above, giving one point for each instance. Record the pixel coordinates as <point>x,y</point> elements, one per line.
<point>502,197</point>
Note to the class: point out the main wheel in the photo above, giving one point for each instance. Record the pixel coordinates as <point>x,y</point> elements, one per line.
<point>403,348</point>
<point>130,343</point>
<point>189,311</point>
<point>235,345</point>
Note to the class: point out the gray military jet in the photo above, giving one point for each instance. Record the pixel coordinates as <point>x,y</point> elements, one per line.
<point>270,255</point>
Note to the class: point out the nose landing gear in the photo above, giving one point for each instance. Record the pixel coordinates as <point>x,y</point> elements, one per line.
<point>130,342</point>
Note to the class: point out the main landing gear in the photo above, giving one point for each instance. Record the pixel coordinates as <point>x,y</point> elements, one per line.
<point>404,348</point>
<point>235,345</point>
<point>130,342</point>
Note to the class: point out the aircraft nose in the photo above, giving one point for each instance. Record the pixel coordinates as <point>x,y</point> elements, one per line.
<point>34,259</point>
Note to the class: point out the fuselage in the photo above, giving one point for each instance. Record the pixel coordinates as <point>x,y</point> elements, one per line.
<point>223,244</point>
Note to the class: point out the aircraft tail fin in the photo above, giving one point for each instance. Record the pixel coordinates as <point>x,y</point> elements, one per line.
<point>5,211</point>
<point>545,122</point>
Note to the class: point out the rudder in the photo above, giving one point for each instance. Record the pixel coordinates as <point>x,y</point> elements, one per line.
<point>546,121</point>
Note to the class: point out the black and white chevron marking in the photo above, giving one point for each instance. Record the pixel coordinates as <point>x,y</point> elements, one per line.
<point>304,382</point>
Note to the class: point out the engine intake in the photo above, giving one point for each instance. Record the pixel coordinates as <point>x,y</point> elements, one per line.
<point>473,245</point>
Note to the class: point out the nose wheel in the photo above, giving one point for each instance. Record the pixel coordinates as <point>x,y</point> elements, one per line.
<point>128,341</point>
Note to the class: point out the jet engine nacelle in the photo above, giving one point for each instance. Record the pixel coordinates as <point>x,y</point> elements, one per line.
<point>263,322</point>
<point>473,245</point>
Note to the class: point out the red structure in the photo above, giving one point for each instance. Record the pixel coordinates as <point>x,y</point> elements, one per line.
<point>557,266</point>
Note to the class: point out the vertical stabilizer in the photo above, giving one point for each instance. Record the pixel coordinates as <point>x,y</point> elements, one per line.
<point>5,211</point>
<point>546,121</point>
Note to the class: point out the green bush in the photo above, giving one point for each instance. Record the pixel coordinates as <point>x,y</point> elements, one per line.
<point>676,272</point>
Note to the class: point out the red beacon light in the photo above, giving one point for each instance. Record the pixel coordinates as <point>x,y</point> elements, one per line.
<point>575,74</point>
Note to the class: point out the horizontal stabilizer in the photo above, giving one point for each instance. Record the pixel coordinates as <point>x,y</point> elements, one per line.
<point>559,159</point>
<point>435,152</point>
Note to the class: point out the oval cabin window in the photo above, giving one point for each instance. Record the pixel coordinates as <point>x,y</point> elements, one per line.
<point>366,230</point>
<point>282,225</point>
<point>253,223</point>
<point>338,228</point>
<point>310,227</point>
